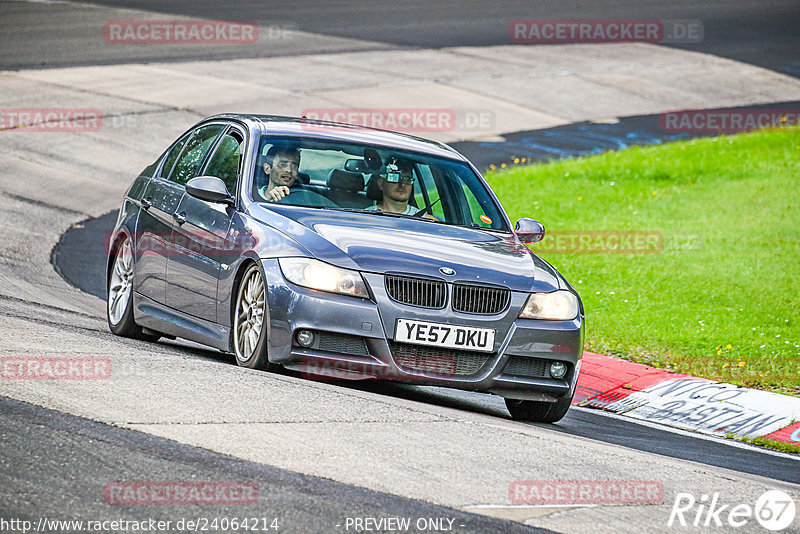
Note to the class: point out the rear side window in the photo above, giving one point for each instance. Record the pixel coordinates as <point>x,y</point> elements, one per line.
<point>194,153</point>
<point>225,162</point>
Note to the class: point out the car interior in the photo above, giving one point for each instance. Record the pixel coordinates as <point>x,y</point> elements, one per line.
<point>352,186</point>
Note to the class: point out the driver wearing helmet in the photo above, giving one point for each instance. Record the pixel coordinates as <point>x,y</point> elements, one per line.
<point>397,185</point>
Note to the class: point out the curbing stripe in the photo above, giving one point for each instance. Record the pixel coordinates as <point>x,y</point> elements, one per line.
<point>603,376</point>
<point>684,401</point>
<point>790,434</point>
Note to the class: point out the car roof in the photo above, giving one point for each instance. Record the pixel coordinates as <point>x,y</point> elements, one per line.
<point>294,126</point>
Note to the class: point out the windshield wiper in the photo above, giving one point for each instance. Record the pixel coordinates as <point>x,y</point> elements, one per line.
<point>384,213</point>
<point>471,226</point>
<point>476,226</point>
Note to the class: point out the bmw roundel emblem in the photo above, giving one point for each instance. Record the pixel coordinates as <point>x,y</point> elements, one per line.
<point>447,271</point>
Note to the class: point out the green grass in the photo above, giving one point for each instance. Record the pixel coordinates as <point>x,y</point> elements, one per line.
<point>722,299</point>
<point>768,443</point>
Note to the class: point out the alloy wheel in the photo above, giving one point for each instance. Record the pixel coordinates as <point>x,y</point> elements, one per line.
<point>119,288</point>
<point>249,316</point>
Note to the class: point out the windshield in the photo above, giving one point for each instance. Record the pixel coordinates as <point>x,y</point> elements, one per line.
<point>372,179</point>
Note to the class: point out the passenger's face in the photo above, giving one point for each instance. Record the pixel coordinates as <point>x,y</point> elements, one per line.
<point>399,191</point>
<point>283,170</point>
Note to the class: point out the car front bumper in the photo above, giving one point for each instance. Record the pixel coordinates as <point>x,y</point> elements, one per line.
<point>354,339</point>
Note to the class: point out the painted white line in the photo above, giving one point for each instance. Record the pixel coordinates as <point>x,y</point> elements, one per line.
<point>41,1</point>
<point>525,506</point>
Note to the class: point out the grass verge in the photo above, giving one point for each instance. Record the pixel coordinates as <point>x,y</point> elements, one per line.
<point>719,296</point>
<point>768,443</point>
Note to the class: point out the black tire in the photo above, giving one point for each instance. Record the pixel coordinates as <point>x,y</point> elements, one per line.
<point>125,325</point>
<point>256,357</point>
<point>537,411</point>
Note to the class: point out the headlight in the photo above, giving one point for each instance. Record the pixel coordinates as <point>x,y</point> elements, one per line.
<point>557,306</point>
<point>315,274</point>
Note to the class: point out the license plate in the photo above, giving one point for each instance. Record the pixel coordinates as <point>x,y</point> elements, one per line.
<point>444,335</point>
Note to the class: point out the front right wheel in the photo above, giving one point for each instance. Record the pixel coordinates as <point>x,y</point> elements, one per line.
<point>249,330</point>
<point>537,411</point>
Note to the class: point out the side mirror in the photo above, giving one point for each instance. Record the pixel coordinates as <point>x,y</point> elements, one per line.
<point>356,165</point>
<point>210,189</point>
<point>529,230</point>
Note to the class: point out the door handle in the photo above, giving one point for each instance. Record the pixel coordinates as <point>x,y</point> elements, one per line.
<point>180,218</point>
<point>145,203</point>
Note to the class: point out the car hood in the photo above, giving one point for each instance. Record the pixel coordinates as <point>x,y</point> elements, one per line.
<point>381,244</point>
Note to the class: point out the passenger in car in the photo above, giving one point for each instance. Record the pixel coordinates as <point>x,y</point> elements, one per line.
<point>397,185</point>
<point>281,166</point>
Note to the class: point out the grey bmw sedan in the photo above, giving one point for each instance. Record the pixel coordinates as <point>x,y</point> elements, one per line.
<point>343,252</point>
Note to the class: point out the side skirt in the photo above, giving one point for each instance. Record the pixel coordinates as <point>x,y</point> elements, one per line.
<point>150,314</point>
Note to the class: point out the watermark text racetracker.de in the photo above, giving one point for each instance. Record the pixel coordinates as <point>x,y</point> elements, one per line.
<point>401,119</point>
<point>600,242</point>
<point>70,120</point>
<point>542,31</point>
<point>204,245</point>
<point>585,492</point>
<point>55,367</point>
<point>180,32</point>
<point>50,119</point>
<point>420,368</point>
<point>729,120</point>
<point>151,492</point>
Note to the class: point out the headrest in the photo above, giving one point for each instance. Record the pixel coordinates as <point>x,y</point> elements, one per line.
<point>349,181</point>
<point>373,191</point>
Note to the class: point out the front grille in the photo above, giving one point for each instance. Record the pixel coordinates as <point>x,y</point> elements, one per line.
<point>438,361</point>
<point>480,299</point>
<point>341,344</point>
<point>416,291</point>
<point>527,367</point>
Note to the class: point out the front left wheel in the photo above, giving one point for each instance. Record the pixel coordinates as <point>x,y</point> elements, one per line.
<point>119,305</point>
<point>538,411</point>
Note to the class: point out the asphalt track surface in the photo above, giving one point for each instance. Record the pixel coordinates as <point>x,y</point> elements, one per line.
<point>762,33</point>
<point>71,453</point>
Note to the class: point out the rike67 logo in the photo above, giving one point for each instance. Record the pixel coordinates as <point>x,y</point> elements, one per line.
<point>774,510</point>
